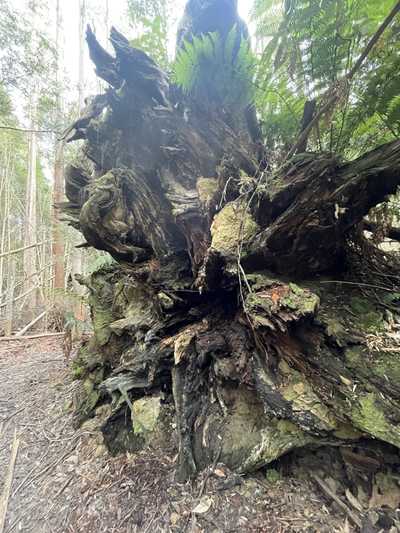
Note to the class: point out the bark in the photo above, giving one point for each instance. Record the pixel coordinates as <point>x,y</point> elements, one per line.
<point>215,302</point>
<point>58,187</point>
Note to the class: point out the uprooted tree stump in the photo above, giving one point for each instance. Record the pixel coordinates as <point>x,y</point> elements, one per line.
<point>225,298</point>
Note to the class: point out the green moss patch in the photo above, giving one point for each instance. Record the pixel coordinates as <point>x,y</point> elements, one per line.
<point>232,225</point>
<point>368,416</point>
<point>279,303</point>
<point>206,189</point>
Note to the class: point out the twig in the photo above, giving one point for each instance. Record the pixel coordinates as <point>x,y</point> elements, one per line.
<point>44,517</point>
<point>28,475</point>
<point>54,464</point>
<point>209,472</point>
<point>353,517</point>
<point>358,284</point>
<point>9,417</point>
<point>203,485</point>
<point>8,482</point>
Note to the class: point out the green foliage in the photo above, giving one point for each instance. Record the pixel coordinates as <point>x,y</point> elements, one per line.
<point>19,60</point>
<point>310,45</point>
<point>150,20</point>
<point>209,69</point>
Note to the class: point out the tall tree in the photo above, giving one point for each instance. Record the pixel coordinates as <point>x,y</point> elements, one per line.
<point>76,254</point>
<point>58,187</point>
<point>30,241</point>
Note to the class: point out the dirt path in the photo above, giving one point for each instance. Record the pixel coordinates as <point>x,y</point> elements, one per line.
<point>64,482</point>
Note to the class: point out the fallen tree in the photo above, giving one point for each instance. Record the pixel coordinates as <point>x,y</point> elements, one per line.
<point>228,297</point>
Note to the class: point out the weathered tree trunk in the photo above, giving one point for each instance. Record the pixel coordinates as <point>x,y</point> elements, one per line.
<point>216,302</point>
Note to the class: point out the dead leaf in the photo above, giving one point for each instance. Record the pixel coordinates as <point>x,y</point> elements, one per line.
<point>204,506</point>
<point>346,381</point>
<point>174,518</point>
<point>219,473</point>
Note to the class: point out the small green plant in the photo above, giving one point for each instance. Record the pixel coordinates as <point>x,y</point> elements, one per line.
<point>272,476</point>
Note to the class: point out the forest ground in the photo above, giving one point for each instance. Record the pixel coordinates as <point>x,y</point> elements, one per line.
<point>65,482</point>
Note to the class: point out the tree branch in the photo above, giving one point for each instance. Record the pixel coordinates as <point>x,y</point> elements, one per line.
<point>23,130</point>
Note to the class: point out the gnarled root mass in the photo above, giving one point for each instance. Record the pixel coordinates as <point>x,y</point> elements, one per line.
<point>215,303</point>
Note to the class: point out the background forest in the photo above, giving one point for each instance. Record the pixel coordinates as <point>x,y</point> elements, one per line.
<point>304,56</point>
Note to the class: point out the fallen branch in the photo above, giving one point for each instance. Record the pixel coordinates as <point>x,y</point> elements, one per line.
<point>8,482</point>
<point>18,250</point>
<point>30,337</point>
<point>353,517</point>
<point>27,130</point>
<point>31,324</point>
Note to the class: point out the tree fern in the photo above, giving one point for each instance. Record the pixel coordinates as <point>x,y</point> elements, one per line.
<point>210,69</point>
<point>314,44</point>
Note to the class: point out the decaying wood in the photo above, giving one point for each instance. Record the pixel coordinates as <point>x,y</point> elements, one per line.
<point>316,202</point>
<point>214,303</point>
<point>353,517</point>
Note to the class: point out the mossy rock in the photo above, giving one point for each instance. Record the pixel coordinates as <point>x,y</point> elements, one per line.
<point>304,400</point>
<point>381,365</point>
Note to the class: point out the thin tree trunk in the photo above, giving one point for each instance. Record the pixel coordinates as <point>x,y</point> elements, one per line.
<point>58,188</point>
<point>10,304</point>
<point>30,213</point>
<point>76,253</point>
<point>81,82</point>
<point>31,192</point>
<point>5,200</point>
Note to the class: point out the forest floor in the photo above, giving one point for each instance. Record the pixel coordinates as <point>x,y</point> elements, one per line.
<point>63,480</point>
